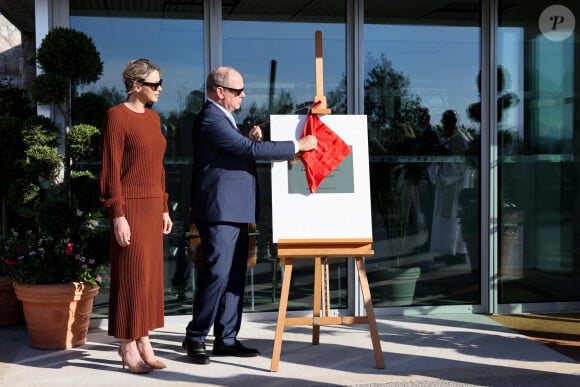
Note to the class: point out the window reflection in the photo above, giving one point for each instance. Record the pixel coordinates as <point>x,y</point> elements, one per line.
<point>420,80</point>
<point>279,69</point>
<point>538,233</point>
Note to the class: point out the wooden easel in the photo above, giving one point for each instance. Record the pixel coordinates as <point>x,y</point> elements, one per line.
<point>321,250</point>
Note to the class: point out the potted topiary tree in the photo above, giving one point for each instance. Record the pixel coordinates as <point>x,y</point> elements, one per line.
<point>61,244</point>
<point>58,249</point>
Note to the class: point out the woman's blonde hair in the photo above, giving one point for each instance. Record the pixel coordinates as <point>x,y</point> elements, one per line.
<point>138,70</point>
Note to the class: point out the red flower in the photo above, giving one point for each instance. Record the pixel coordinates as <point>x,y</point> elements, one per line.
<point>69,248</point>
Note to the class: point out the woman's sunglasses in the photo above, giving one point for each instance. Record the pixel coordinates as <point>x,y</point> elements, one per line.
<point>153,86</point>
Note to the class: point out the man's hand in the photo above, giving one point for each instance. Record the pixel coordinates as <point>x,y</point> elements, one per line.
<point>255,133</point>
<point>307,143</point>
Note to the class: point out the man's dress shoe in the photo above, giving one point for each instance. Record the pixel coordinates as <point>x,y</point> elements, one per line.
<point>236,349</point>
<point>196,351</point>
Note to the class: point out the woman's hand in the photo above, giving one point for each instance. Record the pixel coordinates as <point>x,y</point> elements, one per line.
<point>122,231</point>
<point>167,223</point>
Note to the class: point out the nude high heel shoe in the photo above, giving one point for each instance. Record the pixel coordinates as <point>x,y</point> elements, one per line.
<point>140,368</point>
<point>155,364</point>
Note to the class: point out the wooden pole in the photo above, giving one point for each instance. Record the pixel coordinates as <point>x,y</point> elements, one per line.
<point>319,106</point>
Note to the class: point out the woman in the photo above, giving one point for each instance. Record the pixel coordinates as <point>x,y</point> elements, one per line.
<point>133,191</point>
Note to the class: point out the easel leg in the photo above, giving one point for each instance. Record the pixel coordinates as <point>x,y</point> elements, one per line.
<point>281,322</point>
<point>325,288</point>
<point>372,322</point>
<point>316,301</point>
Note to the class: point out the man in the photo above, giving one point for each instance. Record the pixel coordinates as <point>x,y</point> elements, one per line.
<point>223,202</point>
<point>450,179</point>
<point>428,144</point>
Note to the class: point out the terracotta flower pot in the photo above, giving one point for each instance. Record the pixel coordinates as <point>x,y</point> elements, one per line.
<point>10,306</point>
<point>57,315</point>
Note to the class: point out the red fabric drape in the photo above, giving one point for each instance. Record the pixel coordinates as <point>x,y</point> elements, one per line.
<point>328,155</point>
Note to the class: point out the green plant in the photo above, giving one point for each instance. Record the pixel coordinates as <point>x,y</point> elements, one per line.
<point>90,108</point>
<point>47,210</point>
<point>46,161</point>
<point>68,59</point>
<point>30,257</point>
<point>70,53</point>
<point>83,142</point>
<point>12,150</point>
<point>50,89</point>
<point>55,196</point>
<point>45,207</point>
<point>41,157</point>
<point>14,102</point>
<point>84,147</point>
<point>40,130</point>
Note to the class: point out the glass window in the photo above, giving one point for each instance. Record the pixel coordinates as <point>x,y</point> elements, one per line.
<point>422,100</point>
<point>272,45</point>
<point>171,36</point>
<point>537,121</point>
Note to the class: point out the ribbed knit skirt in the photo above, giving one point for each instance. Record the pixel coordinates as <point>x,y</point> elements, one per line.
<point>136,303</point>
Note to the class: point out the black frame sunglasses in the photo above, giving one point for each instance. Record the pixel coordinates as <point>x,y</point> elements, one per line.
<point>236,92</point>
<point>153,85</point>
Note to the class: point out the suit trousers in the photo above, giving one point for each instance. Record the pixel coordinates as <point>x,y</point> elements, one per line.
<point>219,294</point>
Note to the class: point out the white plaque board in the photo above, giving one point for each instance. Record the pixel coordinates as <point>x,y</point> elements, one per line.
<point>341,207</point>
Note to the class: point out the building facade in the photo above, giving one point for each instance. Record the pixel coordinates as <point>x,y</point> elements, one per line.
<point>16,56</point>
<point>472,109</point>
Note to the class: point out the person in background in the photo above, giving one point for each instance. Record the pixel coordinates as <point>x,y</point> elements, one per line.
<point>224,201</point>
<point>428,141</point>
<point>450,178</point>
<point>428,145</point>
<point>132,188</point>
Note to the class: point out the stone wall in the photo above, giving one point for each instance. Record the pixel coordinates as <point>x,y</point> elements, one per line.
<point>17,55</point>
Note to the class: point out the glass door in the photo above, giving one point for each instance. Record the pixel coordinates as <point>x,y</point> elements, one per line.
<point>538,55</point>
<point>422,99</point>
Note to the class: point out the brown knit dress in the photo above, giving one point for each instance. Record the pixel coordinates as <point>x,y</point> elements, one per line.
<point>133,185</point>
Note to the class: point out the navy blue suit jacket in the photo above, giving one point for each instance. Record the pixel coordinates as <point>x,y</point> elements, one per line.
<point>224,185</point>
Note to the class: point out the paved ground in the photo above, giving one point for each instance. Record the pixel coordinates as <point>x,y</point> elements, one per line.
<point>442,350</point>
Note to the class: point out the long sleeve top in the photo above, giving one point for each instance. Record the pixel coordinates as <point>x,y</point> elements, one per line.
<point>132,158</point>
